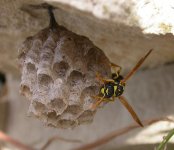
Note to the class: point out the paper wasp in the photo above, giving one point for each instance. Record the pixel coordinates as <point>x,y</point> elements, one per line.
<point>114,87</point>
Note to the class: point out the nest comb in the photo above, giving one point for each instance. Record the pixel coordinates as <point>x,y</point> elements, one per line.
<point>58,70</point>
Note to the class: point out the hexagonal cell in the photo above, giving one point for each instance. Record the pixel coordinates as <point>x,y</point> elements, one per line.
<point>44,79</point>
<point>91,56</point>
<point>46,55</point>
<point>73,109</point>
<point>30,67</point>
<point>33,53</point>
<point>68,48</point>
<point>91,90</point>
<point>64,123</point>
<point>41,115</point>
<point>32,56</point>
<point>50,42</point>
<point>52,114</point>
<point>58,105</point>
<point>36,46</point>
<point>75,78</point>
<point>95,59</point>
<point>60,69</point>
<point>39,107</point>
<point>86,96</point>
<point>67,44</point>
<point>86,117</point>
<point>52,118</point>
<point>25,90</point>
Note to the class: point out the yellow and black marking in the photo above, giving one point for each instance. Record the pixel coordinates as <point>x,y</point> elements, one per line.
<point>114,87</point>
<point>111,89</point>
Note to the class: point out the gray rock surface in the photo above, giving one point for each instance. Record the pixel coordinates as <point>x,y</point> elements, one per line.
<point>112,25</point>
<point>121,31</point>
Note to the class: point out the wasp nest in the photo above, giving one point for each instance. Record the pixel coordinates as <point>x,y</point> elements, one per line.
<point>58,76</point>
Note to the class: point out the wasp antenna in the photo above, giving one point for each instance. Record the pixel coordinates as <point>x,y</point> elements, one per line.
<point>140,62</point>
<point>53,24</point>
<point>130,109</point>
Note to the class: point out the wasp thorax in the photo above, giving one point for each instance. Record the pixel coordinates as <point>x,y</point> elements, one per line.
<point>58,76</point>
<point>112,89</point>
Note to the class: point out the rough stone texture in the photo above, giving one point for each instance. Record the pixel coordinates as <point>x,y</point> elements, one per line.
<point>114,26</point>
<point>151,16</point>
<point>58,76</point>
<point>156,16</point>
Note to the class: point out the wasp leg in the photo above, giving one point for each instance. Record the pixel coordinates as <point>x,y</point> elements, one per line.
<point>99,101</point>
<point>103,80</point>
<point>136,66</point>
<point>109,99</point>
<point>117,68</point>
<point>96,97</point>
<point>130,109</point>
<point>94,106</point>
<point>113,98</point>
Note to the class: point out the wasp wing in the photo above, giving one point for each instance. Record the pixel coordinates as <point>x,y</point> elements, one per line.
<point>130,109</point>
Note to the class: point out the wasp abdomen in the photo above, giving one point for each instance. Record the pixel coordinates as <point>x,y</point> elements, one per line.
<point>119,90</point>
